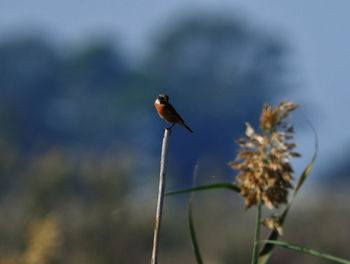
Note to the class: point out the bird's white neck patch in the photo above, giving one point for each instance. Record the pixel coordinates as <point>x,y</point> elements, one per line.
<point>157,101</point>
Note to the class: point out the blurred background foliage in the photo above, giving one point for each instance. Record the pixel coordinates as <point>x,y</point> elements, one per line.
<point>80,140</point>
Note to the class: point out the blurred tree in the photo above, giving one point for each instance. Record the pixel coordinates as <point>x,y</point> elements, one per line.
<point>29,80</point>
<point>54,99</point>
<point>87,109</point>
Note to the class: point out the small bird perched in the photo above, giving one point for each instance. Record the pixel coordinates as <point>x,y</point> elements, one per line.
<point>167,112</point>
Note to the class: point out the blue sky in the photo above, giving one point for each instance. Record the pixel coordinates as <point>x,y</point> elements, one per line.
<point>317,33</point>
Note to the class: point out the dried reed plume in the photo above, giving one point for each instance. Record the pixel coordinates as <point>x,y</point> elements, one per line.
<point>44,240</point>
<point>265,173</point>
<point>43,243</point>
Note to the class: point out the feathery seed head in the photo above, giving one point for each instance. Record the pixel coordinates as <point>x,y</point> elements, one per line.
<point>263,158</point>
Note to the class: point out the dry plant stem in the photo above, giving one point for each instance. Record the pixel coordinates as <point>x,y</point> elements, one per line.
<point>162,180</point>
<point>257,234</point>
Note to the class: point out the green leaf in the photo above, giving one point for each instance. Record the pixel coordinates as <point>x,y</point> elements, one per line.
<point>229,186</point>
<point>307,169</point>
<point>195,245</point>
<point>193,234</point>
<point>266,250</point>
<point>308,251</point>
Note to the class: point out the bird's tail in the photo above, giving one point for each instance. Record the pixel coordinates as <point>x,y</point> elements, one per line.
<point>189,129</point>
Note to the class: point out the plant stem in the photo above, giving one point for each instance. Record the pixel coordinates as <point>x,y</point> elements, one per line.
<point>257,233</point>
<point>162,179</point>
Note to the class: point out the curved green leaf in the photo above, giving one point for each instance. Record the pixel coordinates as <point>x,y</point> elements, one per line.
<point>308,251</point>
<point>229,186</point>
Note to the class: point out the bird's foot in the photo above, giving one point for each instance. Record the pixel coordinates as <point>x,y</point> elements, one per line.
<point>169,128</point>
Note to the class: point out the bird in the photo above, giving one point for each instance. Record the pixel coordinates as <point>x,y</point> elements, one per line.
<point>168,113</point>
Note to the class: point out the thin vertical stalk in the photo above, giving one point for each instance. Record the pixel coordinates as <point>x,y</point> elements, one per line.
<point>257,234</point>
<point>162,180</point>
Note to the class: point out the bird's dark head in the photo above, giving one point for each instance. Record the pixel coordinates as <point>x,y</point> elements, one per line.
<point>163,99</point>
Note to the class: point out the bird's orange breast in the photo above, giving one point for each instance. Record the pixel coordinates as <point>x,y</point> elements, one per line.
<point>160,109</point>
<point>165,114</point>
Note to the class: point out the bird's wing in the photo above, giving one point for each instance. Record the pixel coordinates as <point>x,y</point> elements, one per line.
<point>172,109</point>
